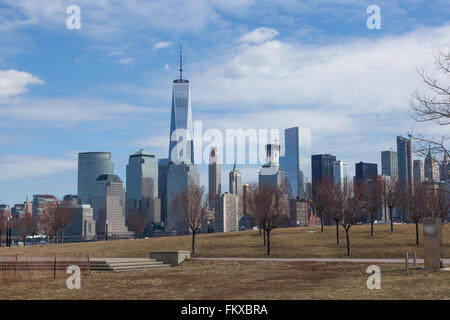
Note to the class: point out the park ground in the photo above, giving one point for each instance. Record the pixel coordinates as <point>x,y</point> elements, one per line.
<point>213,279</point>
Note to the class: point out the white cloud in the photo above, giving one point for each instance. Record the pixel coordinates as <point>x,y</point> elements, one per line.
<point>166,67</point>
<point>161,45</point>
<point>14,82</point>
<point>259,35</point>
<point>15,167</point>
<point>126,61</point>
<point>72,111</point>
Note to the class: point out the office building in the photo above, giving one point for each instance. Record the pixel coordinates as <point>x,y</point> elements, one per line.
<point>226,210</point>
<point>90,166</point>
<point>322,168</point>
<point>404,158</point>
<point>365,171</point>
<point>179,178</point>
<point>42,202</point>
<point>271,172</point>
<point>340,172</point>
<point>82,226</point>
<point>181,146</point>
<point>142,187</point>
<point>108,204</point>
<point>431,166</point>
<point>163,170</point>
<point>418,172</point>
<point>389,163</point>
<point>214,175</point>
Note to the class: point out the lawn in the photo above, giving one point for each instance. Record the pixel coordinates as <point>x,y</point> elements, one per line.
<point>235,280</point>
<point>288,243</point>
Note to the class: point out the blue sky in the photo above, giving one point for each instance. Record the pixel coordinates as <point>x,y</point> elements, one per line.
<point>252,64</point>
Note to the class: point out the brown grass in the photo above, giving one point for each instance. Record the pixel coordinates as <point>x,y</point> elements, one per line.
<point>199,279</point>
<point>289,243</point>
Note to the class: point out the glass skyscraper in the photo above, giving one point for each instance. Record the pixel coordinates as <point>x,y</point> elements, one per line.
<point>296,161</point>
<point>90,166</point>
<point>181,146</point>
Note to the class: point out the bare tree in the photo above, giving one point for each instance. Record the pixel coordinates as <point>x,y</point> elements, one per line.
<point>441,204</point>
<point>32,225</point>
<point>372,199</point>
<point>21,228</point>
<point>393,195</point>
<point>3,219</point>
<point>55,218</point>
<point>320,197</point>
<point>136,222</point>
<point>269,206</point>
<point>192,204</point>
<point>418,205</point>
<point>433,105</point>
<point>333,208</point>
<point>350,201</point>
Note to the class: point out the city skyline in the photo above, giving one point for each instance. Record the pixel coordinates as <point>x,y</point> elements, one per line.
<point>50,115</point>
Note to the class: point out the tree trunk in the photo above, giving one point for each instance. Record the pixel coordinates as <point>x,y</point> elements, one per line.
<point>371,226</point>
<point>338,240</point>
<point>417,233</point>
<point>193,242</point>
<point>62,236</point>
<point>264,238</point>
<point>32,239</point>
<point>268,243</point>
<point>24,241</point>
<point>260,230</point>
<point>321,221</point>
<point>56,237</point>
<point>0,240</point>
<point>349,250</point>
<point>390,218</point>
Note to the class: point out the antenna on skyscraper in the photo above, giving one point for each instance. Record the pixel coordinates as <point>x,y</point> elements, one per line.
<point>181,60</point>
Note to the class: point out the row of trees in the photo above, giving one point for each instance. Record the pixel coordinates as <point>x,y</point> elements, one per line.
<point>347,204</point>
<point>52,222</point>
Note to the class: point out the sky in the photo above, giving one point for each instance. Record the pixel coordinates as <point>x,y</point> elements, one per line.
<point>251,64</point>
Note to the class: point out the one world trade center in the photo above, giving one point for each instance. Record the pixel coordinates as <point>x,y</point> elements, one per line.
<point>181,146</point>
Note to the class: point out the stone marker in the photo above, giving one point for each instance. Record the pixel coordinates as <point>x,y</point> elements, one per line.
<point>432,243</point>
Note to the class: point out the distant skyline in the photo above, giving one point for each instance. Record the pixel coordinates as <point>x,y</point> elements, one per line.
<point>251,64</point>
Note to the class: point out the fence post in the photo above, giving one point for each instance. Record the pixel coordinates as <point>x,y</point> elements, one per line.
<point>54,267</point>
<point>406,261</point>
<point>89,263</point>
<point>415,256</point>
<point>15,269</point>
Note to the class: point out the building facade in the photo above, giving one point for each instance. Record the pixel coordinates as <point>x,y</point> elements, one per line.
<point>389,163</point>
<point>431,166</point>
<point>82,226</point>
<point>227,215</point>
<point>90,166</point>
<point>418,172</point>
<point>340,172</point>
<point>404,158</point>
<point>365,171</point>
<point>108,204</point>
<point>142,187</point>
<point>214,175</point>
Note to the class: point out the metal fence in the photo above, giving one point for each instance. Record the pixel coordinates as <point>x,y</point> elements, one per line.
<point>20,268</point>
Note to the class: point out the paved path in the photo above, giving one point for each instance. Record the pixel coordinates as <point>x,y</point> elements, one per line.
<point>358,260</point>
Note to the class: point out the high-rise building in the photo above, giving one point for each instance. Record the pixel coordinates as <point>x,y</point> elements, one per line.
<point>41,203</point>
<point>108,204</point>
<point>271,172</point>
<point>90,166</point>
<point>5,210</point>
<point>214,175</point>
<point>82,226</point>
<point>296,160</point>
<point>340,172</point>
<point>181,146</point>
<point>418,173</point>
<point>404,158</point>
<point>365,171</point>
<point>322,167</point>
<point>431,166</point>
<point>235,187</point>
<point>246,194</point>
<point>163,170</point>
<point>179,178</point>
<point>226,211</point>
<point>389,162</point>
<point>142,187</point>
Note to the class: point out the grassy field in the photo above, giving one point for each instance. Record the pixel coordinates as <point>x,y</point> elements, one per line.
<point>199,279</point>
<point>287,243</point>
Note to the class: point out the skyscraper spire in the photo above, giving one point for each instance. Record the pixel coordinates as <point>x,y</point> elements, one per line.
<point>181,60</point>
